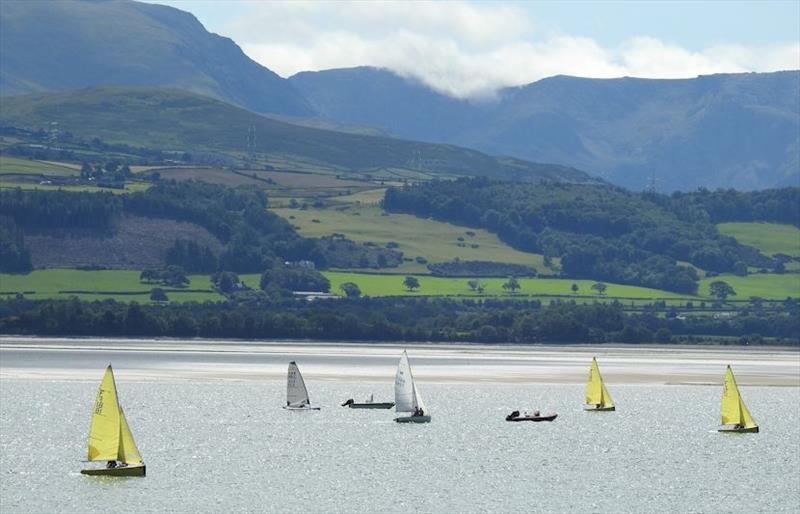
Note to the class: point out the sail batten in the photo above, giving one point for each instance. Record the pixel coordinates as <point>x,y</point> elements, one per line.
<point>296,391</point>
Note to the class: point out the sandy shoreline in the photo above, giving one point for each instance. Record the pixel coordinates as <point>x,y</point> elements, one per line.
<point>204,360</point>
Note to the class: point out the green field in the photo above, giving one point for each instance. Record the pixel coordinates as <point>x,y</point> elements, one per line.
<point>50,282</point>
<point>767,285</point>
<point>392,285</point>
<point>13,165</point>
<point>770,238</point>
<point>434,240</point>
<point>130,187</point>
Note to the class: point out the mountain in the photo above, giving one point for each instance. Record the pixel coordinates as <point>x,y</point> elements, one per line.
<point>174,120</point>
<point>728,130</point>
<point>68,44</point>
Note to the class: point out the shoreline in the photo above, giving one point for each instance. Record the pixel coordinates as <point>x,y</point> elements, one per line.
<point>206,360</point>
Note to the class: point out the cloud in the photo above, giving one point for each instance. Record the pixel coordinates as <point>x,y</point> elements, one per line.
<point>469,50</point>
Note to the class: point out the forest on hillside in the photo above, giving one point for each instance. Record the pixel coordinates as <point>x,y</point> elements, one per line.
<point>608,233</point>
<point>253,238</point>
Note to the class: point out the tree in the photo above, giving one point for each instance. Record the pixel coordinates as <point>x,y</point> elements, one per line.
<point>158,295</point>
<point>350,289</point>
<point>574,288</point>
<point>512,285</point>
<point>721,289</point>
<point>226,281</point>
<point>411,283</point>
<point>600,288</point>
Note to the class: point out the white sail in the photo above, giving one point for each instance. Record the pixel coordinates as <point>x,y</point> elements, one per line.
<point>406,394</point>
<point>404,386</point>
<point>296,392</point>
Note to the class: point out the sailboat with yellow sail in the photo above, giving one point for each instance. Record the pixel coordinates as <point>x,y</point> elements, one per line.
<point>597,396</point>
<point>735,416</point>
<point>110,437</point>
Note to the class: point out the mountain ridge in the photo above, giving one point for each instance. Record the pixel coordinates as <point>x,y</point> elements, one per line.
<point>724,130</point>
<point>71,44</point>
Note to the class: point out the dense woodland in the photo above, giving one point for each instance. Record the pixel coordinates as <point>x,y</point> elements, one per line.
<point>256,315</point>
<point>607,233</point>
<point>252,236</point>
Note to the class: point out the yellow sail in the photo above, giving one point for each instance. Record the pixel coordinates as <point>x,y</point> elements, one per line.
<point>734,411</point>
<point>606,400</point>
<point>595,387</point>
<point>128,452</point>
<point>104,434</point>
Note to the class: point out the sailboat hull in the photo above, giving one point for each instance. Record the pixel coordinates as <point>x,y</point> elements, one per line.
<point>124,471</point>
<point>413,419</point>
<point>305,407</point>
<point>600,408</point>
<point>734,429</point>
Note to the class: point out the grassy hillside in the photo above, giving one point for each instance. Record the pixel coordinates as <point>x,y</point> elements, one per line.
<point>72,44</point>
<point>179,121</point>
<point>435,241</point>
<point>766,285</point>
<point>770,238</point>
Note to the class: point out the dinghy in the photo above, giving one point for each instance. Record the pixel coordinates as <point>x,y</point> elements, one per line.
<point>597,397</point>
<point>369,403</point>
<point>735,416</point>
<point>406,395</point>
<point>296,392</point>
<point>535,417</point>
<point>110,437</point>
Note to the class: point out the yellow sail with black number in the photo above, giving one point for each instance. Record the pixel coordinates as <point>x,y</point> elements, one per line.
<point>596,391</point>
<point>104,434</point>
<point>734,411</point>
<point>128,452</point>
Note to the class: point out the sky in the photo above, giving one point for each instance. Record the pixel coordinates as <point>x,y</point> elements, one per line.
<point>471,49</point>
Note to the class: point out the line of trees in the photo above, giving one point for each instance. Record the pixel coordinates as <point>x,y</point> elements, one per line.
<point>390,319</point>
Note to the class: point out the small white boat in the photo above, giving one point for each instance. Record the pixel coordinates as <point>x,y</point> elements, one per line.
<point>110,437</point>
<point>735,415</point>
<point>296,392</point>
<point>406,395</point>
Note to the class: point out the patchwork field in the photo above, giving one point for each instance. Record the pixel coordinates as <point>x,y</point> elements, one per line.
<point>97,285</point>
<point>416,237</point>
<point>14,165</point>
<point>770,238</point>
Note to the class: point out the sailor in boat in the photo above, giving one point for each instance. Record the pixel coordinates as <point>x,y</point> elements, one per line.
<point>536,413</point>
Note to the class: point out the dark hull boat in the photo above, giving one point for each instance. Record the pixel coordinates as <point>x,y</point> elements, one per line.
<point>514,416</point>
<point>367,405</point>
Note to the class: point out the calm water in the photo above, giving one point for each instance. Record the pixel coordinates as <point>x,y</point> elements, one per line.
<point>212,446</point>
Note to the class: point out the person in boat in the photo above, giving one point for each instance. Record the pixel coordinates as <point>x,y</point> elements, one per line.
<point>421,412</point>
<point>536,413</point>
<point>111,464</point>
